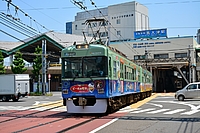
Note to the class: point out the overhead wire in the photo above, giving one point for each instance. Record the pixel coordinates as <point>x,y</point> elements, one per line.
<point>126,43</point>
<point>11,36</point>
<point>43,13</point>
<point>18,24</point>
<point>85,8</point>
<point>18,9</point>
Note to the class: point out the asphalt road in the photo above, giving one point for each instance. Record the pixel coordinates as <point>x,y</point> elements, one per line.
<point>157,114</point>
<point>163,114</point>
<point>29,101</point>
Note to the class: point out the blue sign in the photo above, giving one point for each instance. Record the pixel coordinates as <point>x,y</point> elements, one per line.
<point>150,33</point>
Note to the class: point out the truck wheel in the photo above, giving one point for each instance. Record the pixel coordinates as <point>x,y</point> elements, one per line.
<point>5,99</point>
<point>15,99</point>
<point>181,98</point>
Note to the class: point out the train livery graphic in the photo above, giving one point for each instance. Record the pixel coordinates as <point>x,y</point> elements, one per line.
<point>97,78</point>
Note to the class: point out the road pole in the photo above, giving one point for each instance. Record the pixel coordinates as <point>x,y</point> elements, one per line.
<point>49,78</point>
<point>44,66</point>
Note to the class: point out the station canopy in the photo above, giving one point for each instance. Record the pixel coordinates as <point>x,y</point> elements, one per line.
<point>55,42</point>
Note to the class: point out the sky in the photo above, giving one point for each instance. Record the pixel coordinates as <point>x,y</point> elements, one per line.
<point>180,17</point>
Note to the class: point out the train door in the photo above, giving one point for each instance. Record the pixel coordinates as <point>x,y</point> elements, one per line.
<point>122,76</point>
<point>110,75</point>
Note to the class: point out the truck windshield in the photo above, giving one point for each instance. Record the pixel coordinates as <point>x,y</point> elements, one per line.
<point>85,67</point>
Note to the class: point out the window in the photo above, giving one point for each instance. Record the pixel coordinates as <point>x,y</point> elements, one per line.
<point>158,42</point>
<point>115,69</point>
<point>161,56</point>
<point>85,67</point>
<point>192,86</point>
<point>121,70</point>
<point>139,57</point>
<point>76,27</point>
<point>198,86</point>
<point>180,55</point>
<point>118,21</point>
<point>119,32</point>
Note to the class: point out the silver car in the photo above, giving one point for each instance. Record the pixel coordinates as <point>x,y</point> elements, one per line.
<point>192,90</point>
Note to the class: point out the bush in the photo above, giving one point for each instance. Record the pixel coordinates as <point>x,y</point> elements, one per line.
<point>40,94</point>
<point>36,94</point>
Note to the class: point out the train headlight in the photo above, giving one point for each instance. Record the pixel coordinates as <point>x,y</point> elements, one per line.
<point>82,46</point>
<point>65,91</point>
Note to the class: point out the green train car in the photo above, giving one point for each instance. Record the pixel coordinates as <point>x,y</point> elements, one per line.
<point>97,79</point>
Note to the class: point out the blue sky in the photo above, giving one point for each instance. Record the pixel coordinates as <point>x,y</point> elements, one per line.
<point>180,17</point>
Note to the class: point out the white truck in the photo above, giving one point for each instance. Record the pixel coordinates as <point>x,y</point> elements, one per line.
<point>14,86</point>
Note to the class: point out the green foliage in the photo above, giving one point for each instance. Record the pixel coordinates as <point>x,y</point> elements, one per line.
<point>36,94</point>
<point>2,68</point>
<point>40,94</point>
<point>37,62</point>
<point>18,66</point>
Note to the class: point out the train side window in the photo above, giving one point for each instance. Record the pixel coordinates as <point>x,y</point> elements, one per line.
<point>138,75</point>
<point>121,70</point>
<point>114,69</point>
<point>125,76</point>
<point>110,68</point>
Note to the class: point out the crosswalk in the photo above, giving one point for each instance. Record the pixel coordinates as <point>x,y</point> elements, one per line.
<point>157,111</point>
<point>3,108</point>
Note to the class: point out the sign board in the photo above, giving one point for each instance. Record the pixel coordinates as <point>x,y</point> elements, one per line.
<point>150,33</point>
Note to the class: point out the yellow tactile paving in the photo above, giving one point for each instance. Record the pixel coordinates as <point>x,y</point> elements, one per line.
<point>140,103</point>
<point>50,104</point>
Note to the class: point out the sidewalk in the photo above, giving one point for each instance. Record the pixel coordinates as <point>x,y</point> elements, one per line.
<point>164,94</point>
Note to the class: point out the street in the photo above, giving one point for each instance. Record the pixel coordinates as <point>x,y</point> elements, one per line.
<point>162,114</point>
<point>159,113</point>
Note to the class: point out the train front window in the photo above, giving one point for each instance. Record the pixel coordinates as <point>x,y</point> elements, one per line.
<point>95,66</point>
<point>72,67</point>
<point>85,67</point>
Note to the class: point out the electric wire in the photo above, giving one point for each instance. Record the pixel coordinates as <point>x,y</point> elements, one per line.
<point>17,25</point>
<point>126,43</point>
<point>17,8</point>
<point>85,8</point>
<point>11,36</point>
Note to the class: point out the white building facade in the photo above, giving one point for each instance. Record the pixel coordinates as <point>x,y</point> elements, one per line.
<point>122,20</point>
<point>171,60</point>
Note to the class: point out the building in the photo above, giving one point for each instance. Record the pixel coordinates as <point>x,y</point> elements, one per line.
<point>55,42</point>
<point>198,36</point>
<point>171,60</point>
<point>125,18</point>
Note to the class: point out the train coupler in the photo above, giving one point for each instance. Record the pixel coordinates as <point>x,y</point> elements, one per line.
<point>82,101</point>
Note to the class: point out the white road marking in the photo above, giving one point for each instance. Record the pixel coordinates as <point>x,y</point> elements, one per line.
<point>127,110</point>
<point>141,111</point>
<point>103,126</point>
<point>193,107</point>
<point>157,111</point>
<point>158,105</point>
<point>174,111</point>
<point>190,112</point>
<point>36,103</point>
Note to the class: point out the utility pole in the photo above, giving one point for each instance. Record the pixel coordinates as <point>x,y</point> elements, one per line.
<point>44,80</point>
<point>189,65</point>
<point>146,57</point>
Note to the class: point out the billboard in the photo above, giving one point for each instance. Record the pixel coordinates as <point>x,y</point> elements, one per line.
<point>150,33</point>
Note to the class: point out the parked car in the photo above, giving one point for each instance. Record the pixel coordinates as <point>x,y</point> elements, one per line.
<point>192,90</point>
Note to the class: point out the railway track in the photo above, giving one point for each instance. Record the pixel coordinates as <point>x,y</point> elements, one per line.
<point>18,121</point>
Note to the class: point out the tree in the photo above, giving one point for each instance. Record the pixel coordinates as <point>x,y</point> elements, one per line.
<point>2,68</point>
<point>37,65</point>
<point>18,66</point>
